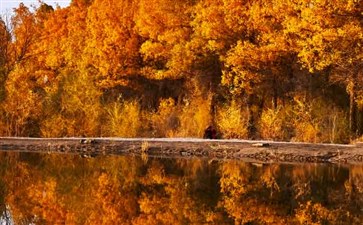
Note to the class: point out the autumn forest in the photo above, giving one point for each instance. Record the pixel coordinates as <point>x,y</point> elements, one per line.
<point>287,70</point>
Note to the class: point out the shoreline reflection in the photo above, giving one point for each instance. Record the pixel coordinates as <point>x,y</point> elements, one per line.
<point>69,189</point>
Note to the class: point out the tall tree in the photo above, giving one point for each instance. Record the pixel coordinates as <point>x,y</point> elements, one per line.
<point>113,45</point>
<point>329,35</point>
<point>253,52</point>
<point>5,43</point>
<point>165,27</point>
<point>23,96</point>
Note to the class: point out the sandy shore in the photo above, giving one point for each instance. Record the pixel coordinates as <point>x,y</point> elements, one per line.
<point>254,151</point>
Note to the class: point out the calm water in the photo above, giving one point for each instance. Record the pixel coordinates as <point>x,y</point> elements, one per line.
<point>68,189</point>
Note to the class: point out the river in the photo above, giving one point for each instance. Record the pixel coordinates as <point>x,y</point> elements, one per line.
<point>53,188</point>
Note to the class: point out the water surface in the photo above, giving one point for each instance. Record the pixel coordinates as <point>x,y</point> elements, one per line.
<point>69,189</point>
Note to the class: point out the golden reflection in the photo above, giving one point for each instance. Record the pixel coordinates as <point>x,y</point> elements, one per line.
<point>69,189</point>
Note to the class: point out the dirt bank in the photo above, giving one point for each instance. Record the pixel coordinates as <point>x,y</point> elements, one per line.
<point>257,151</point>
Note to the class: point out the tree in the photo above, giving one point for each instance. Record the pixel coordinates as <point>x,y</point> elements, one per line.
<point>113,45</point>
<point>164,25</point>
<point>5,42</point>
<point>23,96</point>
<point>329,35</point>
<point>253,52</point>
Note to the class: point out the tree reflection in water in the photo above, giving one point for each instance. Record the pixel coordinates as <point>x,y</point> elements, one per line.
<point>68,189</point>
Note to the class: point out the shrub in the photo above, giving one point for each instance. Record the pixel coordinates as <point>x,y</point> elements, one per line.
<point>232,120</point>
<point>319,121</point>
<point>22,106</point>
<point>57,126</point>
<point>165,121</point>
<point>195,117</point>
<point>123,119</point>
<point>72,108</point>
<point>275,124</point>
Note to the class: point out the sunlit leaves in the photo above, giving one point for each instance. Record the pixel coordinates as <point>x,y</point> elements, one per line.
<point>112,47</point>
<point>79,103</point>
<point>224,48</point>
<point>165,26</point>
<point>54,42</point>
<point>23,103</point>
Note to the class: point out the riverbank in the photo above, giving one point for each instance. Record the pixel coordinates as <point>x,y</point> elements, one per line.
<point>254,151</point>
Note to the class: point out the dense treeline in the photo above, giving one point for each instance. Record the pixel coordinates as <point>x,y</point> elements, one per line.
<point>284,70</point>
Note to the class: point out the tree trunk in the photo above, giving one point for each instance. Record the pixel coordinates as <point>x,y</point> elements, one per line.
<point>213,106</point>
<point>359,122</point>
<point>275,93</point>
<point>352,114</point>
<point>254,109</point>
<point>251,128</point>
<point>214,79</point>
<point>353,108</point>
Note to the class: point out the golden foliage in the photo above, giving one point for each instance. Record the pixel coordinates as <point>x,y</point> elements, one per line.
<point>61,70</point>
<point>165,121</point>
<point>317,121</point>
<point>57,126</point>
<point>274,123</point>
<point>195,117</point>
<point>123,120</point>
<point>232,120</point>
<point>23,103</point>
<point>78,106</point>
<point>112,47</point>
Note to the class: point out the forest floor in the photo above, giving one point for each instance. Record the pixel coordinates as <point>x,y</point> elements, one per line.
<point>246,150</point>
